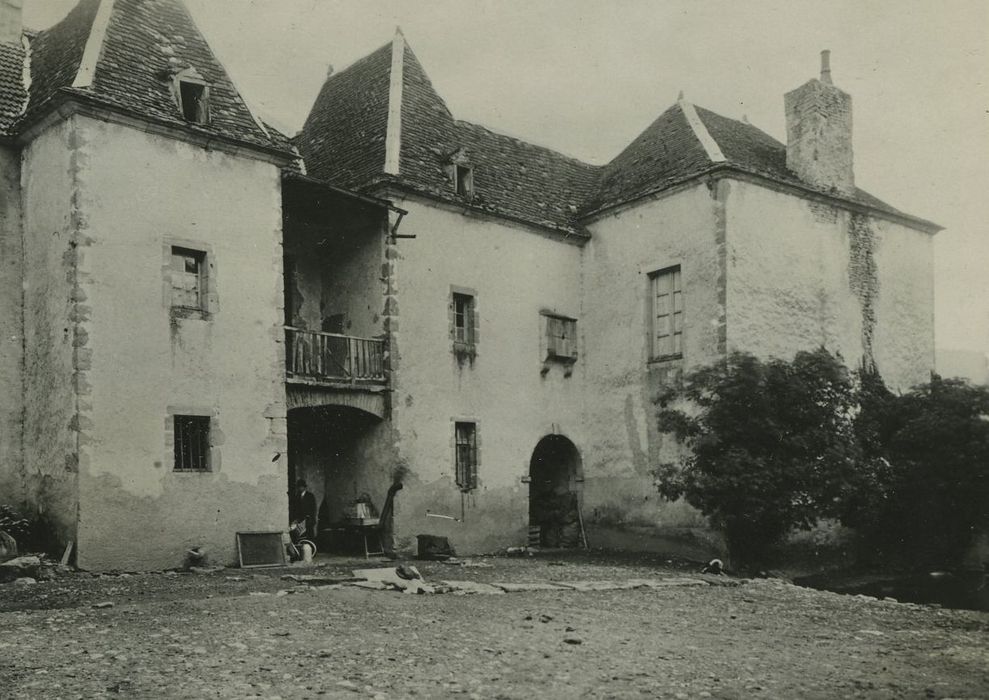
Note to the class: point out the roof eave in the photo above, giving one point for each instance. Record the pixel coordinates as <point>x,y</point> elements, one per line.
<point>69,101</point>
<point>575,232</point>
<point>728,169</point>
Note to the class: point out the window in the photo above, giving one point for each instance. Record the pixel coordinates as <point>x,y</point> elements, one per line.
<point>188,268</point>
<point>463,320</point>
<point>465,435</point>
<point>666,313</point>
<point>561,337</point>
<point>191,442</point>
<point>192,94</point>
<point>464,180</point>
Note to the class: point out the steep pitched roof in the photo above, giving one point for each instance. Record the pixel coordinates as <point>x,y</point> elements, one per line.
<point>346,140</point>
<point>124,55</point>
<point>343,139</point>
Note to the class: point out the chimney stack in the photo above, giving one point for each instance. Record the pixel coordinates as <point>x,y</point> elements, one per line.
<point>11,26</point>
<point>819,132</point>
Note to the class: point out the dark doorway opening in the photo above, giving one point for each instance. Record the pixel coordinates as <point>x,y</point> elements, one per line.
<point>554,497</point>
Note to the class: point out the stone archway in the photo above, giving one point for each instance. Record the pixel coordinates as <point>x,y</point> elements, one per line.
<point>554,497</point>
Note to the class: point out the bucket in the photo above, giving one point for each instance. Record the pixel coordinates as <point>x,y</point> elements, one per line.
<point>307,549</point>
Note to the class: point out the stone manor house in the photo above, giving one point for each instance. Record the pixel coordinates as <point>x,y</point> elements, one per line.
<point>196,310</point>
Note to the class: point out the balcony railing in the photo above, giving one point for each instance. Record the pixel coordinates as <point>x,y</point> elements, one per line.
<point>333,358</point>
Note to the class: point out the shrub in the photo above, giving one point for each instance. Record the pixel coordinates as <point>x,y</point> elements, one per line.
<point>924,492</point>
<point>772,446</point>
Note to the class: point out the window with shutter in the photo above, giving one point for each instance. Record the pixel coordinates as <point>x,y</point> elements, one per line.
<point>465,438</point>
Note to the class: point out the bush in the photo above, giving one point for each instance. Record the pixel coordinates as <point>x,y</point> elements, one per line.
<point>924,492</point>
<point>772,446</point>
<point>13,524</point>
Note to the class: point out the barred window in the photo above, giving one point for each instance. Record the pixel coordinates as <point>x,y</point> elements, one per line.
<point>466,455</point>
<point>191,436</point>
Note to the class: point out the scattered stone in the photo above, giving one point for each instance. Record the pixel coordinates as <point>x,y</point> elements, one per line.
<point>572,639</point>
<point>473,588</point>
<point>205,569</point>
<point>523,587</point>
<point>104,604</point>
<point>19,567</point>
<point>545,618</point>
<point>571,629</point>
<point>25,581</point>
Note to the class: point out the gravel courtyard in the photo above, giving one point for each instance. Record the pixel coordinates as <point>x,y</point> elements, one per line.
<point>234,634</point>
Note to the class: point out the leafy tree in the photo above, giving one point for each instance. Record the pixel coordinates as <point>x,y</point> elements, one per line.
<point>929,495</point>
<point>772,446</point>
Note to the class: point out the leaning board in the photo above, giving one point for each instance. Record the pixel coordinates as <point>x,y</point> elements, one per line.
<point>260,548</point>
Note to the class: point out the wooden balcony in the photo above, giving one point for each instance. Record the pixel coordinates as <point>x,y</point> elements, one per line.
<point>332,359</point>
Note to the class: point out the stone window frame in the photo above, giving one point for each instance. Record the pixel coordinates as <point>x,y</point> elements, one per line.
<point>215,437</point>
<point>675,269</point>
<point>209,300</point>
<point>473,480</point>
<point>464,349</point>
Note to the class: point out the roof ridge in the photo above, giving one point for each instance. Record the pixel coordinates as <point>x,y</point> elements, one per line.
<point>711,147</point>
<point>96,39</point>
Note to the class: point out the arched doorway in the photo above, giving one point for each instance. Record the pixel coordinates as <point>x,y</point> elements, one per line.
<point>554,498</point>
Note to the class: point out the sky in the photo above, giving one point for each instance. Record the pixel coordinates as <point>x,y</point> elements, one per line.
<point>586,76</point>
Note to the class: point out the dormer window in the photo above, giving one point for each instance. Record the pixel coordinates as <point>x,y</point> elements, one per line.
<point>192,93</point>
<point>463,176</point>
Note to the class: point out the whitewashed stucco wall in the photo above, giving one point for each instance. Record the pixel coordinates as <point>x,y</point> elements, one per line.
<point>139,194</point>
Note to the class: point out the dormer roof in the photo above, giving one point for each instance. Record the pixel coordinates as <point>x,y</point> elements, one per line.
<point>122,55</point>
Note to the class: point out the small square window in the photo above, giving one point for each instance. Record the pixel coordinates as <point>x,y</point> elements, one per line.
<point>466,455</point>
<point>188,272</point>
<point>561,337</point>
<point>463,320</point>
<point>191,442</point>
<point>666,314</point>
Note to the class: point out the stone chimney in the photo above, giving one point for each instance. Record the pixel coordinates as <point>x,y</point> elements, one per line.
<point>10,21</point>
<point>819,132</point>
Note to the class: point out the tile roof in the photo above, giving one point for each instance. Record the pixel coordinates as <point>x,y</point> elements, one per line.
<point>343,138</point>
<point>12,92</point>
<point>343,142</point>
<point>146,42</point>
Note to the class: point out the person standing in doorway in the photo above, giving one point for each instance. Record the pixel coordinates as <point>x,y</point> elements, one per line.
<point>302,512</point>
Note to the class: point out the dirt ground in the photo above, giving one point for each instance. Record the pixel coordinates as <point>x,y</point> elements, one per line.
<point>234,634</point>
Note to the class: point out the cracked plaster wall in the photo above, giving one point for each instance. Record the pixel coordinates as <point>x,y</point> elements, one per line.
<point>803,274</point>
<point>138,193</point>
<point>515,273</point>
<point>53,315</point>
<point>11,330</point>
<point>622,507</point>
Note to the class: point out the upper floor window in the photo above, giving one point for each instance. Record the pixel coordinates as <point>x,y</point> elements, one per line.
<point>465,438</point>
<point>666,314</point>
<point>561,337</point>
<point>192,93</point>
<point>464,180</point>
<point>463,321</point>
<point>188,272</point>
